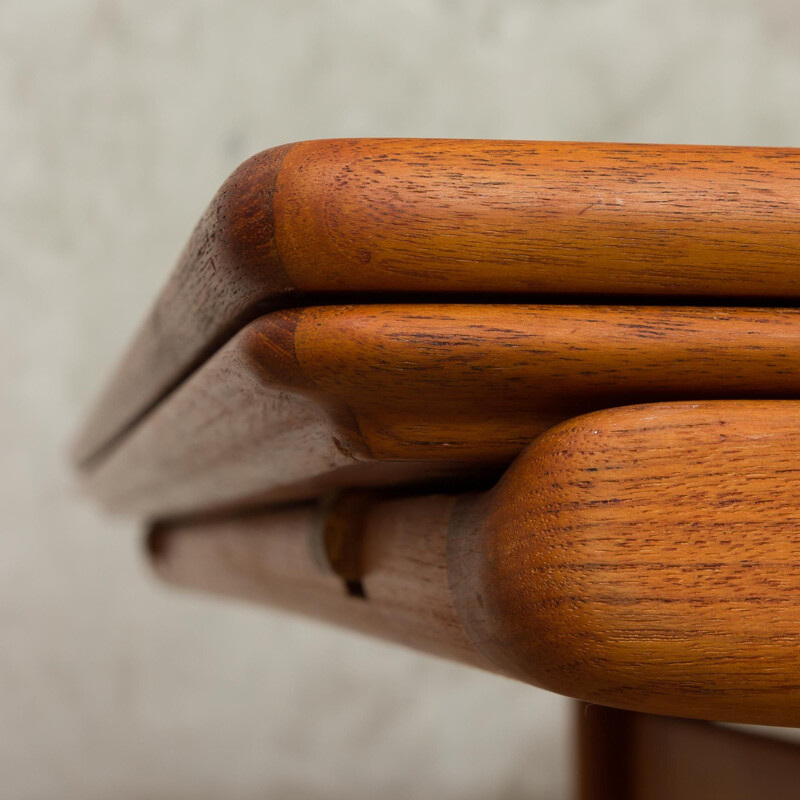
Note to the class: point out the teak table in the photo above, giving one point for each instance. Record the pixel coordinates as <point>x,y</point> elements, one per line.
<point>530,406</point>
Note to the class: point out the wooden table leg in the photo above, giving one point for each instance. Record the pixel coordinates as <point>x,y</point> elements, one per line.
<point>628,756</point>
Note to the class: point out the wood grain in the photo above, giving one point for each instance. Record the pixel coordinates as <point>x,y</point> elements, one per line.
<point>642,557</point>
<point>227,274</point>
<point>646,558</point>
<point>305,400</point>
<point>339,220</point>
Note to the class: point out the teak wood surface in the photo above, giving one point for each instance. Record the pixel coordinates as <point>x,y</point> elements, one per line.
<point>305,400</point>
<point>342,220</point>
<point>642,557</point>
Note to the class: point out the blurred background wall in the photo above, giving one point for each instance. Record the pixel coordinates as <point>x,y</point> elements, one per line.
<point>118,120</point>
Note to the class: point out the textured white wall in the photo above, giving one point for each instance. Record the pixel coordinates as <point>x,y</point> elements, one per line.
<point>118,120</point>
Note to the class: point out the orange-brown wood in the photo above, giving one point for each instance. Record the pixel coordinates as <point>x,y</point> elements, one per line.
<point>646,558</point>
<point>305,400</point>
<point>352,218</point>
<point>642,557</point>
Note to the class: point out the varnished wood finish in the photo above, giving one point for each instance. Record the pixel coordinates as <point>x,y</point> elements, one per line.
<point>646,558</point>
<point>342,218</point>
<point>304,400</point>
<point>643,557</point>
<point>267,558</point>
<point>628,756</point>
<point>227,274</point>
